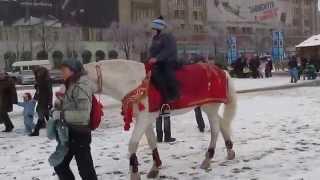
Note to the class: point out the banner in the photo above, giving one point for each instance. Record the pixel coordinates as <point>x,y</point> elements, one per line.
<point>277,46</point>
<point>232,50</point>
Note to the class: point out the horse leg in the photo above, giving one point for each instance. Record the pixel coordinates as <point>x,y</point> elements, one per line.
<point>212,112</point>
<point>151,137</point>
<point>139,129</point>
<point>226,133</point>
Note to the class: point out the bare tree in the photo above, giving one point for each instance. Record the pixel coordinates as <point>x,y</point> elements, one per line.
<point>123,37</point>
<point>46,35</point>
<point>71,36</point>
<point>142,40</point>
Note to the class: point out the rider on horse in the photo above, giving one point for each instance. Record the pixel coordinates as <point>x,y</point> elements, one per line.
<point>164,58</point>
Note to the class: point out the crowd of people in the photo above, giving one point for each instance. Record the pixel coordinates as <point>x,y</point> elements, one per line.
<point>301,68</point>
<point>256,67</point>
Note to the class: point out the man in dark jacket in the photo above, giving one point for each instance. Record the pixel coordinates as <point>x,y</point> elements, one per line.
<point>254,66</point>
<point>163,53</point>
<point>44,97</point>
<point>293,69</point>
<point>8,97</point>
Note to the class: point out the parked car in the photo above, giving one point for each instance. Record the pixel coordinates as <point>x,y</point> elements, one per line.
<point>22,72</point>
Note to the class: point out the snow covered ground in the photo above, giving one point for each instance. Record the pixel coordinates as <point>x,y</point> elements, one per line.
<point>245,84</point>
<point>275,135</point>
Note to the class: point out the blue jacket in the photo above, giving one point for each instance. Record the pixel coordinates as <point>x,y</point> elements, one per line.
<point>28,108</point>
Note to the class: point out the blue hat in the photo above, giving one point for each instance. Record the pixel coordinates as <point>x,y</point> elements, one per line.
<point>74,65</point>
<point>158,24</point>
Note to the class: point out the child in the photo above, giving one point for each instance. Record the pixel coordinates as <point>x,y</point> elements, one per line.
<point>28,105</point>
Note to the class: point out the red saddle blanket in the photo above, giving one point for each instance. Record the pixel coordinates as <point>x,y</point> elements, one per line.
<point>199,84</point>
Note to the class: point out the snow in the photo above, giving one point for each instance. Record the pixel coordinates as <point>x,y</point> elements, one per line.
<point>310,42</point>
<point>275,135</point>
<point>245,84</point>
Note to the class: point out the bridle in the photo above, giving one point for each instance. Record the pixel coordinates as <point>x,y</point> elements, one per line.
<point>99,78</point>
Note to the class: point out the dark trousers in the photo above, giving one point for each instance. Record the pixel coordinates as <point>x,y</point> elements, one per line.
<point>43,116</point>
<point>163,77</point>
<point>4,116</point>
<point>199,119</point>
<point>166,128</point>
<point>80,149</point>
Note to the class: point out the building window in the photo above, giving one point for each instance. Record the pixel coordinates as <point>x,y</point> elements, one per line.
<point>198,28</point>
<point>307,2</point>
<point>182,26</point>
<point>247,30</point>
<point>198,3</point>
<point>195,15</point>
<point>85,34</point>
<point>179,14</point>
<point>99,35</point>
<point>180,3</point>
<point>232,30</point>
<point>295,22</point>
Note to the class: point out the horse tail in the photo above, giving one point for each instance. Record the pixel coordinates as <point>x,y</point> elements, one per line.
<point>230,108</point>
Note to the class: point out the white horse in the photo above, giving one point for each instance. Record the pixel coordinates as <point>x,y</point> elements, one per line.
<point>119,77</point>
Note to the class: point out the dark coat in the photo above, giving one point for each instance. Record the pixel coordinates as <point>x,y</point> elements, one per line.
<point>164,48</point>
<point>293,64</point>
<point>8,94</point>
<point>44,95</point>
<point>43,90</point>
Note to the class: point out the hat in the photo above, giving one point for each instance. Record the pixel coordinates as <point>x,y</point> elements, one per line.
<point>159,24</point>
<point>27,95</point>
<point>73,64</point>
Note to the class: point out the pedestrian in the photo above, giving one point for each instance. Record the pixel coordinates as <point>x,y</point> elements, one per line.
<point>28,105</point>
<point>76,108</point>
<point>293,69</point>
<point>43,96</point>
<point>269,68</point>
<point>254,66</point>
<point>8,97</point>
<point>262,67</point>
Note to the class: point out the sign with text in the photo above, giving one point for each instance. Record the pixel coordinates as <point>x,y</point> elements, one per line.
<point>232,49</point>
<point>277,46</point>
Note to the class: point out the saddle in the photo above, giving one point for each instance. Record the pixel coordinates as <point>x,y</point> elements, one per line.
<point>199,84</point>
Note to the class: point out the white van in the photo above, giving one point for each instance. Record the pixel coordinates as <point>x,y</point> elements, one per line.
<point>23,70</point>
<point>21,66</point>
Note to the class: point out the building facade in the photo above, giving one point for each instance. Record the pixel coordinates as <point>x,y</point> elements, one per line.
<point>253,21</point>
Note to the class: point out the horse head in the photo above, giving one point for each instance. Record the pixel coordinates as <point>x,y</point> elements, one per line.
<point>118,77</point>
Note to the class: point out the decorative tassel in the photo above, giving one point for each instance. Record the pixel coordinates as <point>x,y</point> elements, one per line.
<point>141,107</point>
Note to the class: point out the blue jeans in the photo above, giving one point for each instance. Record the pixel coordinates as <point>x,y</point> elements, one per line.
<point>294,74</point>
<point>28,123</point>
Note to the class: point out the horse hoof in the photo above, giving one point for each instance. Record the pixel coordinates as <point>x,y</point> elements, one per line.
<point>153,174</point>
<point>135,176</point>
<point>205,164</point>
<point>231,155</point>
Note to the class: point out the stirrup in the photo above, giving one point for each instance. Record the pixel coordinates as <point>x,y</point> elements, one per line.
<point>165,111</point>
